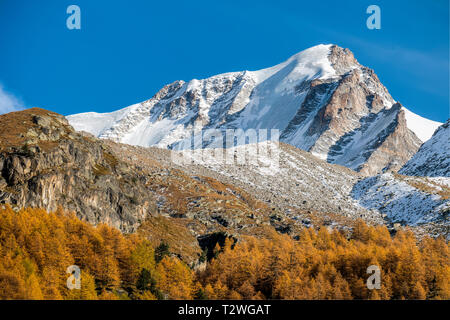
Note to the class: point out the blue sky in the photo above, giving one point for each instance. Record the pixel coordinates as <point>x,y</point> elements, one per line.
<point>127,50</point>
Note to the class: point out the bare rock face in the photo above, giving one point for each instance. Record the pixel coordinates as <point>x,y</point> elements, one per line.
<point>44,163</point>
<point>393,148</point>
<point>352,120</point>
<point>342,59</point>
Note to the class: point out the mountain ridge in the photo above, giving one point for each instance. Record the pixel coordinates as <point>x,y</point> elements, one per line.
<point>432,159</point>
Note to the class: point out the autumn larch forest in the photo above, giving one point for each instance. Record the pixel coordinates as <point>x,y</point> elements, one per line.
<point>36,247</point>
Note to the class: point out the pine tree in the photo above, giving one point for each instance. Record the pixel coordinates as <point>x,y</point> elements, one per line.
<point>145,280</point>
<point>161,251</point>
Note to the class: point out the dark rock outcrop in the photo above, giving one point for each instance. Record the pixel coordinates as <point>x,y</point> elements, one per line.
<point>44,163</point>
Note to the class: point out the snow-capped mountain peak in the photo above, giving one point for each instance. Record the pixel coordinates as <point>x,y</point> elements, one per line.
<point>321,100</point>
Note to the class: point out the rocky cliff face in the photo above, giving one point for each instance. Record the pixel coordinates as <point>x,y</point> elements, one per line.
<point>352,120</point>
<point>44,163</point>
<point>321,100</point>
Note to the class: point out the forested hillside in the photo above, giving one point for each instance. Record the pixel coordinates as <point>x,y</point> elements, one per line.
<point>37,247</point>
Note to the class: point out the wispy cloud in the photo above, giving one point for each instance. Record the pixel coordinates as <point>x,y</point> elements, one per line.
<point>8,102</point>
<point>411,59</point>
<point>429,66</point>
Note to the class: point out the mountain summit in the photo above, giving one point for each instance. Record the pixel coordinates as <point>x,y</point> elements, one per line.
<point>321,99</point>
